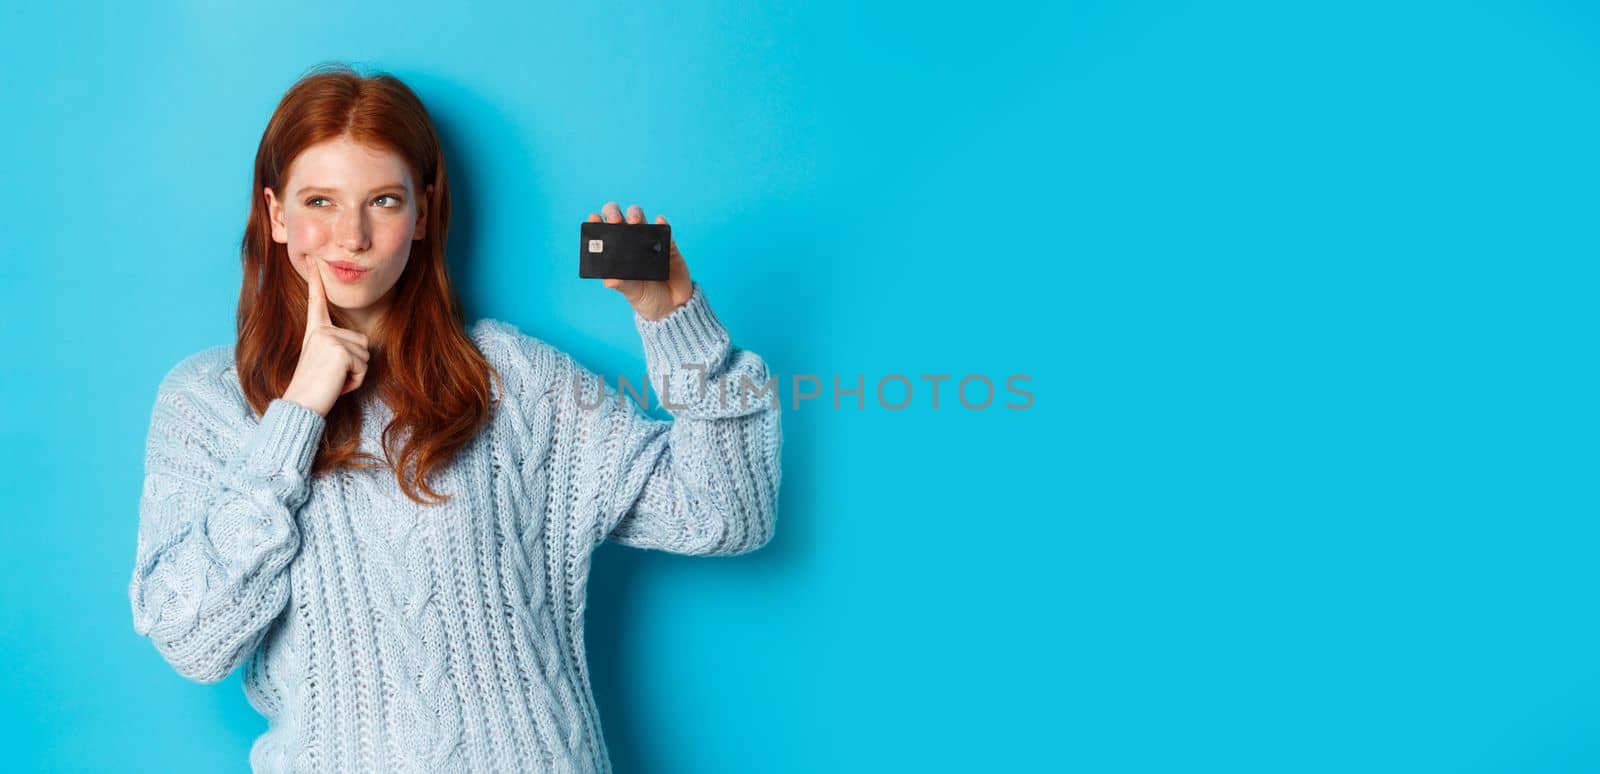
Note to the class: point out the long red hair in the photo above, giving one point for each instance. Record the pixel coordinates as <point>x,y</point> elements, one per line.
<point>424,364</point>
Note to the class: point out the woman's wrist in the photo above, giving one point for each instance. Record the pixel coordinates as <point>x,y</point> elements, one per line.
<point>292,396</point>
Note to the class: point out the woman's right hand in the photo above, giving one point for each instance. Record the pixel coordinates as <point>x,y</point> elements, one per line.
<point>333,361</point>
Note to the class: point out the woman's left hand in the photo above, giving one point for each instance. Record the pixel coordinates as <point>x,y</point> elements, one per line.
<point>652,299</point>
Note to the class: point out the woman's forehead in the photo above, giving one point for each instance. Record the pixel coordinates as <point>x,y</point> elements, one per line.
<point>343,163</point>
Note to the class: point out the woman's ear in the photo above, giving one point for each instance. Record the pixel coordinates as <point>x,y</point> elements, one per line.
<point>280,233</point>
<point>422,215</point>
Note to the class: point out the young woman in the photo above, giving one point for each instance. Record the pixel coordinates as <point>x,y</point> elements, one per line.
<point>387,515</point>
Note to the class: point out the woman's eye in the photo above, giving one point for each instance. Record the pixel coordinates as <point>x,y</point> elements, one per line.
<point>386,200</point>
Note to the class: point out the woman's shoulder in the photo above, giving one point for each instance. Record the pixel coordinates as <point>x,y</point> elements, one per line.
<point>206,367</point>
<point>209,375</point>
<point>201,394</point>
<point>508,347</point>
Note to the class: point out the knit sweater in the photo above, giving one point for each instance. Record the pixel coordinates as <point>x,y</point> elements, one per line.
<point>378,634</point>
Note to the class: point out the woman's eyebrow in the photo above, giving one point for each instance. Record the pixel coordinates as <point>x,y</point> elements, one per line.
<point>305,189</point>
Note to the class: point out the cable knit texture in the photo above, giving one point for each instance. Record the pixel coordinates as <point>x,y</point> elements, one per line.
<point>381,635</point>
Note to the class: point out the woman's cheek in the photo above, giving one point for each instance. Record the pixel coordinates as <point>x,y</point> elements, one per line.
<point>308,235</point>
<point>396,240</point>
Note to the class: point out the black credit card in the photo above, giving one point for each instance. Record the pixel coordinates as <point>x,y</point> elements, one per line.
<point>624,250</point>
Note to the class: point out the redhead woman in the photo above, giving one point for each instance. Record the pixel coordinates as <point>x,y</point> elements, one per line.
<point>387,515</point>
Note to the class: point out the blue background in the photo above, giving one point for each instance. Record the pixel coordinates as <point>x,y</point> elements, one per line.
<point>1306,294</point>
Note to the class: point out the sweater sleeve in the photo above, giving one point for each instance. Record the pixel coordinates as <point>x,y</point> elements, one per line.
<point>216,523</point>
<point>706,481</point>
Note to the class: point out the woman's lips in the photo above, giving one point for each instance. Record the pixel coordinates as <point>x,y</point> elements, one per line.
<point>347,273</point>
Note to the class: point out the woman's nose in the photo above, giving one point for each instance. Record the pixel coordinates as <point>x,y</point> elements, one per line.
<point>351,231</point>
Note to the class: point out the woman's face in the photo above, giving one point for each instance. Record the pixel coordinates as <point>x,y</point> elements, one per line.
<point>344,204</point>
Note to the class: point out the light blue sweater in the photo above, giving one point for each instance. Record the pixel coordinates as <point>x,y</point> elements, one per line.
<point>380,635</point>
